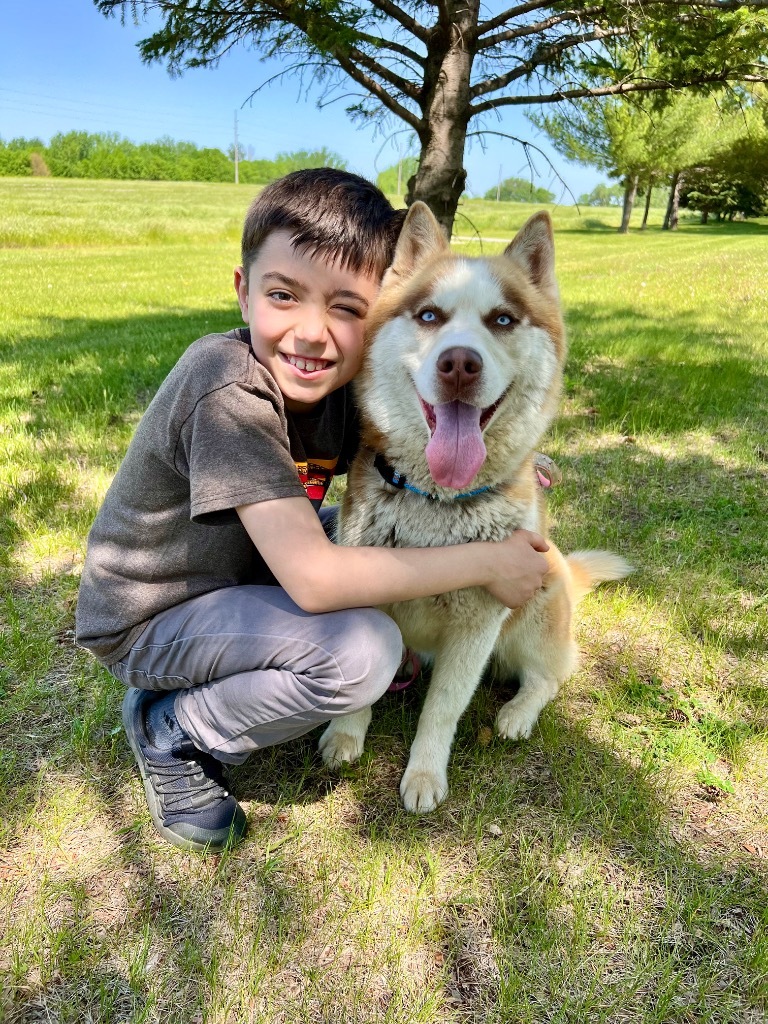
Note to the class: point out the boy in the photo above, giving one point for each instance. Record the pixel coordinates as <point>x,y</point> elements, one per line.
<point>210,587</point>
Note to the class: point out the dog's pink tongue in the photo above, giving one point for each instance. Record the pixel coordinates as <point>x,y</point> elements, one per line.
<point>456,451</point>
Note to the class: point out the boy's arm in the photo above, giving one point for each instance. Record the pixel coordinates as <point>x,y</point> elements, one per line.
<point>321,576</point>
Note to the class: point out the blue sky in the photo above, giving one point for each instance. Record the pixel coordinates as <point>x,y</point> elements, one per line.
<point>65,66</point>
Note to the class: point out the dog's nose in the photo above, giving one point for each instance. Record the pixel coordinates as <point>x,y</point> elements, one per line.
<point>459,367</point>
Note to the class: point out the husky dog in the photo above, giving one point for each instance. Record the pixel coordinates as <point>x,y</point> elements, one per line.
<point>461,378</point>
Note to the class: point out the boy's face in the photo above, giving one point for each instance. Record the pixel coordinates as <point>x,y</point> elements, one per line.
<point>306,318</point>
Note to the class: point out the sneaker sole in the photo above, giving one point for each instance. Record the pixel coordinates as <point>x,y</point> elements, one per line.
<point>194,841</point>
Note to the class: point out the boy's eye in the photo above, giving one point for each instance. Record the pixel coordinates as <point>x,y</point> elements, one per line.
<point>281,296</point>
<point>350,311</point>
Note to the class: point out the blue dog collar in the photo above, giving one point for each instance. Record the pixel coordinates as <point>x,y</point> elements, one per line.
<point>400,481</point>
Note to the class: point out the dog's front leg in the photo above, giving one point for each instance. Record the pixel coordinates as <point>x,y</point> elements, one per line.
<point>343,740</point>
<point>457,671</point>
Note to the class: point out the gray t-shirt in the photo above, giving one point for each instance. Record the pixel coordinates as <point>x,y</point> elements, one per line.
<point>215,436</point>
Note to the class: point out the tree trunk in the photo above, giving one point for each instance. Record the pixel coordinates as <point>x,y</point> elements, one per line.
<point>673,207</point>
<point>440,179</point>
<point>644,225</point>
<point>630,194</point>
<point>704,216</point>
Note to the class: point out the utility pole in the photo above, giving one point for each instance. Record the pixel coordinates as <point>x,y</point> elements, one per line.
<point>237,154</point>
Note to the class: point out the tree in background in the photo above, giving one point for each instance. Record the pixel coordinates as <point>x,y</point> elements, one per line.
<point>261,172</point>
<point>709,191</point>
<point>645,141</point>
<point>393,180</point>
<point>729,141</point>
<point>519,190</point>
<point>734,178</point>
<point>603,195</point>
<point>440,68</point>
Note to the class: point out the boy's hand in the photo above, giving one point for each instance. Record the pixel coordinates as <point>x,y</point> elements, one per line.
<point>517,568</point>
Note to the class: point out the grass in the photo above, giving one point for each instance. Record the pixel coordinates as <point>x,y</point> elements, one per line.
<point>611,869</point>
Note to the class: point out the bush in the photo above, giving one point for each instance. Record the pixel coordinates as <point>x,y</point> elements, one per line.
<point>519,190</point>
<point>603,195</point>
<point>38,166</point>
<point>402,171</point>
<point>108,155</point>
<point>16,157</point>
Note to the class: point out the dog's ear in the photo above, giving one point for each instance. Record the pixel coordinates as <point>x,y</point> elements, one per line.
<point>534,247</point>
<point>420,238</point>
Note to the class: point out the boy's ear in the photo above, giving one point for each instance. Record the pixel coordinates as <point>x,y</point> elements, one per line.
<point>534,247</point>
<point>421,238</point>
<point>241,287</point>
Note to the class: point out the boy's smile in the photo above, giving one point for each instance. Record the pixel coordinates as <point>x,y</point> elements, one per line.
<point>307,318</point>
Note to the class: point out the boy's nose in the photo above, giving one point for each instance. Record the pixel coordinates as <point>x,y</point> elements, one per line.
<point>311,328</point>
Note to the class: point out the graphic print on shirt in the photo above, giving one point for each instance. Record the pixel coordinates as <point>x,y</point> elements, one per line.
<point>316,476</point>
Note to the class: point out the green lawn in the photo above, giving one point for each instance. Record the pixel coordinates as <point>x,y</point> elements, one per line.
<point>612,868</point>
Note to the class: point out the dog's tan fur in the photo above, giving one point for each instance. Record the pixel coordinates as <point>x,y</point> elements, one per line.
<point>460,632</point>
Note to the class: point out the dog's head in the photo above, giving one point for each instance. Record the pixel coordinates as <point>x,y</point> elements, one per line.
<point>464,356</point>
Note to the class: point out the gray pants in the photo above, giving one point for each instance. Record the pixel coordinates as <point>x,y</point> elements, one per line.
<point>254,670</point>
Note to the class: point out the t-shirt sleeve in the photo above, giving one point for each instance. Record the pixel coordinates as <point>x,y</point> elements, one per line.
<point>234,450</point>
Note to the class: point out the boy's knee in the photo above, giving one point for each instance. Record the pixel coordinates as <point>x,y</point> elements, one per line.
<point>374,649</point>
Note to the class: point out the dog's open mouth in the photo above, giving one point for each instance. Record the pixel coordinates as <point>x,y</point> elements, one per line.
<point>456,450</point>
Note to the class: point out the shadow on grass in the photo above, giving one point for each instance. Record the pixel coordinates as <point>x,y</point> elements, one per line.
<point>591,222</point>
<point>552,796</point>
<point>667,375</point>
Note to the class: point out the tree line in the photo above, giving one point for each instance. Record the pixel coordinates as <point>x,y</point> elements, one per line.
<point>79,154</point>
<point>709,152</point>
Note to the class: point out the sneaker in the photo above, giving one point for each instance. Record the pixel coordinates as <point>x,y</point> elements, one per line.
<point>185,788</point>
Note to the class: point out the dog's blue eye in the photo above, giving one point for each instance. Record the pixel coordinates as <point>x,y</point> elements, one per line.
<point>503,320</point>
<point>428,316</point>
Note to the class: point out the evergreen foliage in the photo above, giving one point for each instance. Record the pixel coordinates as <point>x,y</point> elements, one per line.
<point>709,191</point>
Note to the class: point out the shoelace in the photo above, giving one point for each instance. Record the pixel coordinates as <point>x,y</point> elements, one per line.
<point>200,791</point>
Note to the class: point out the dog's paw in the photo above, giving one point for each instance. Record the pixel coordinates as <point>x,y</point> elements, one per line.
<point>422,791</point>
<point>338,748</point>
<point>515,721</point>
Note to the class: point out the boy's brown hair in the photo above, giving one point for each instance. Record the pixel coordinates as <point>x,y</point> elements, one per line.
<point>330,213</point>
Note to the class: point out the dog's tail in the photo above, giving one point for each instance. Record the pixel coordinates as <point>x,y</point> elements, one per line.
<point>588,568</point>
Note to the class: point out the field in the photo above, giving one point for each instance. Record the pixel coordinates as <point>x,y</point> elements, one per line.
<point>613,868</point>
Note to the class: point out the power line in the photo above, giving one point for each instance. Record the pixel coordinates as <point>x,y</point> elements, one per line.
<point>91,109</point>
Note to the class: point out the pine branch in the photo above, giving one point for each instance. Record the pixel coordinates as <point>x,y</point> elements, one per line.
<point>396,13</point>
<point>619,89</point>
<point>587,14</point>
<point>511,13</point>
<point>403,86</point>
<point>389,44</point>
<point>543,55</point>
<point>376,90</point>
